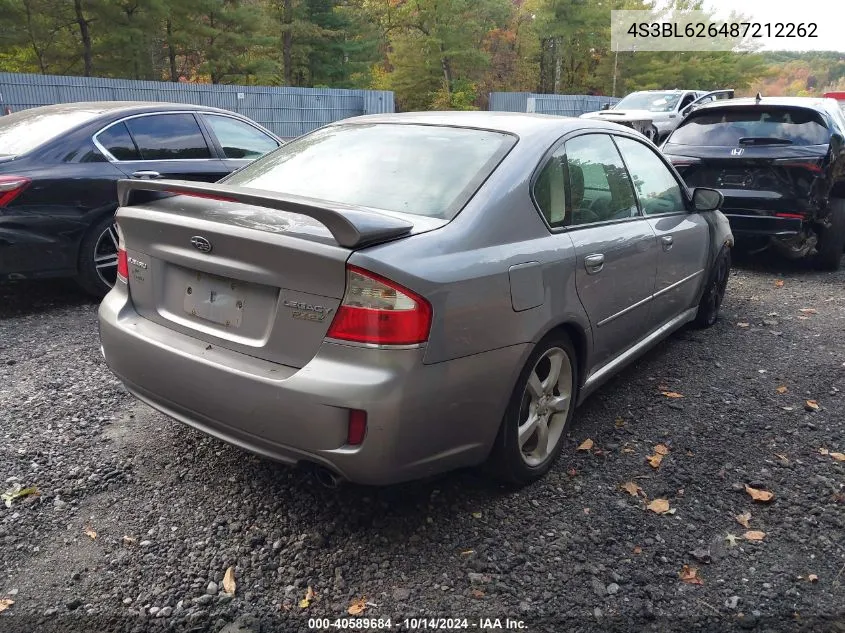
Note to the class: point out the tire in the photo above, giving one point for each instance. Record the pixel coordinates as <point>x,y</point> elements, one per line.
<point>97,263</point>
<point>548,403</point>
<point>832,238</point>
<point>714,291</point>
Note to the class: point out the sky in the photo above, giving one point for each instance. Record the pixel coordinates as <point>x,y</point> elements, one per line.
<point>829,15</point>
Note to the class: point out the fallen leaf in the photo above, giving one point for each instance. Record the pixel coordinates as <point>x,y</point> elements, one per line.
<point>754,535</point>
<point>672,394</point>
<point>638,550</point>
<point>661,449</point>
<point>690,454</point>
<point>743,519</point>
<point>627,449</point>
<point>811,405</point>
<point>779,283</point>
<point>17,492</point>
<point>731,539</point>
<point>468,552</point>
<point>813,578</point>
<point>659,506</point>
<point>586,511</point>
<point>823,451</point>
<point>90,533</point>
<point>840,457</point>
<point>585,445</point>
<point>477,593</point>
<point>808,311</point>
<point>572,472</point>
<point>306,601</point>
<point>476,515</point>
<point>654,460</point>
<point>689,575</point>
<point>619,423</point>
<point>781,389</point>
<point>128,540</point>
<point>782,457</point>
<point>357,606</point>
<point>229,584</point>
<point>743,324</point>
<point>759,495</point>
<point>632,489</point>
<point>5,603</point>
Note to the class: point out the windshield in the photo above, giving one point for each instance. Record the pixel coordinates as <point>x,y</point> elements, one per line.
<point>750,126</point>
<point>420,169</point>
<point>23,131</point>
<point>651,101</point>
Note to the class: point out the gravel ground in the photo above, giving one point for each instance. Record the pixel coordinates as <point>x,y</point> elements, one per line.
<point>138,517</point>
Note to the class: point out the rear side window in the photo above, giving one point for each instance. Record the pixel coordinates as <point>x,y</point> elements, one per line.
<point>239,139</point>
<point>168,137</point>
<point>429,170</point>
<point>752,126</point>
<point>118,143</point>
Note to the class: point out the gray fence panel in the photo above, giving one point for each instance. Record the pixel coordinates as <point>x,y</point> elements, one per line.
<point>288,112</point>
<point>561,105</point>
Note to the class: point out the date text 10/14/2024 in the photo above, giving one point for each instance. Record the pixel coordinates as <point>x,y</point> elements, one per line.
<point>416,624</point>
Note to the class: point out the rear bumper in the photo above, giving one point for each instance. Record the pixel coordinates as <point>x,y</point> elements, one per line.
<point>421,419</point>
<point>763,225</point>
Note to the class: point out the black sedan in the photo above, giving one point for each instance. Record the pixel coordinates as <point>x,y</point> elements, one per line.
<point>59,165</point>
<point>780,163</point>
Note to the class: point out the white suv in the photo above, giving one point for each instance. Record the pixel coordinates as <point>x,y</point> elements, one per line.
<point>656,113</point>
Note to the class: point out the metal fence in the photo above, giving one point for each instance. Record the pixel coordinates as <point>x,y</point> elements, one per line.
<point>562,105</point>
<point>288,112</point>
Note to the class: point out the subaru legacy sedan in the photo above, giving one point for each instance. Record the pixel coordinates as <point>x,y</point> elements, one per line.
<point>394,296</point>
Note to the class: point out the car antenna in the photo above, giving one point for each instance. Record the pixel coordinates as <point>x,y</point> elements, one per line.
<point>758,98</point>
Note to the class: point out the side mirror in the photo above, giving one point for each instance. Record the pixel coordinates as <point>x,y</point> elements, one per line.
<point>706,199</point>
<point>605,106</point>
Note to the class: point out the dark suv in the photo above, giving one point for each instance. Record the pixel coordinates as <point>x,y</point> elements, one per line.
<point>59,166</point>
<point>780,163</point>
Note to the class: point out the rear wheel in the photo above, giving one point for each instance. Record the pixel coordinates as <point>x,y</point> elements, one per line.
<point>714,292</point>
<point>541,406</point>
<point>832,238</point>
<point>97,265</point>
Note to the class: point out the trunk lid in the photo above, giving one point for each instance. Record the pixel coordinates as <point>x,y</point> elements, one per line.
<point>261,281</point>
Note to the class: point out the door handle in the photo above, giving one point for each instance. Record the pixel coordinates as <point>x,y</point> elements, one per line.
<point>667,241</point>
<point>146,175</point>
<point>594,263</point>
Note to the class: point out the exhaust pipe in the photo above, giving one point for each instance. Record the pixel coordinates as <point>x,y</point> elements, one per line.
<point>326,477</point>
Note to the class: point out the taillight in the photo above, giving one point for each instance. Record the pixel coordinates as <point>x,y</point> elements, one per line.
<point>682,161</point>
<point>378,311</point>
<point>790,216</point>
<point>122,261</point>
<point>11,187</point>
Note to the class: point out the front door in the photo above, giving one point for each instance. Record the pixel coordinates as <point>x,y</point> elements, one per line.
<point>683,236</point>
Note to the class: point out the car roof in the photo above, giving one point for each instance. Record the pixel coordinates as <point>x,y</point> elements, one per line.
<point>817,103</point>
<point>119,107</point>
<point>518,123</point>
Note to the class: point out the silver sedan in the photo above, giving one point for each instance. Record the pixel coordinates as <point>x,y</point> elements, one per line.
<point>394,296</point>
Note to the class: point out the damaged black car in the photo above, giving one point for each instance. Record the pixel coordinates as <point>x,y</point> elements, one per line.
<point>780,163</point>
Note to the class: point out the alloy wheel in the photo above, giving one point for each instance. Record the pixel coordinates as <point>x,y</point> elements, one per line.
<point>545,406</point>
<point>105,256</point>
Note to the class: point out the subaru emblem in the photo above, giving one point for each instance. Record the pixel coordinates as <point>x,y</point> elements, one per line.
<point>737,151</point>
<point>201,244</point>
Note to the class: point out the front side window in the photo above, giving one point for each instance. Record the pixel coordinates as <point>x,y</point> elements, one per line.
<point>429,170</point>
<point>168,137</point>
<point>599,185</point>
<point>118,143</point>
<point>657,189</point>
<point>239,139</point>
<point>651,101</point>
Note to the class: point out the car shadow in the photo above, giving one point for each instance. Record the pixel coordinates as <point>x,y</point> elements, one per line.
<point>23,298</point>
<point>771,262</point>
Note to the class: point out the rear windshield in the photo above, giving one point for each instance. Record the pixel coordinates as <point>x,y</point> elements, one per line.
<point>419,169</point>
<point>22,132</point>
<point>752,126</point>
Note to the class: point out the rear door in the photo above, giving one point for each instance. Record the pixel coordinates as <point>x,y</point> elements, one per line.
<point>163,145</point>
<point>616,250</point>
<point>683,236</point>
<point>239,141</point>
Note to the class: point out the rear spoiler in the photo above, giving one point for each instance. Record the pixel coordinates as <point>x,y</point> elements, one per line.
<point>351,226</point>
